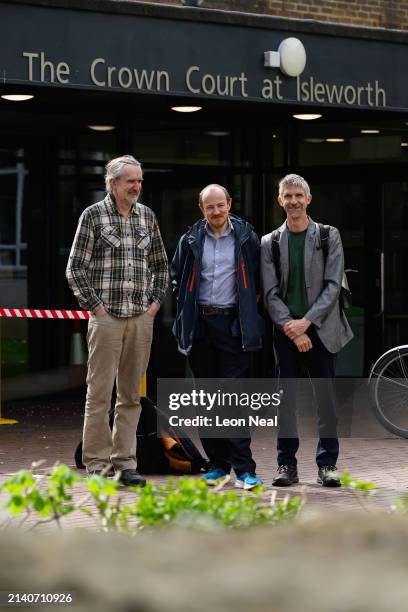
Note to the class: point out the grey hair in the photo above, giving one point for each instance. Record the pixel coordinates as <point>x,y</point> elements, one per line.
<point>294,180</point>
<point>200,197</point>
<point>114,168</point>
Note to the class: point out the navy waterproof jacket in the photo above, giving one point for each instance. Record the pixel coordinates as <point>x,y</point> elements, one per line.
<point>185,275</point>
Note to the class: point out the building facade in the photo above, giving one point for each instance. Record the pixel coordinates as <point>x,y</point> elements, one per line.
<point>389,14</point>
<point>107,84</point>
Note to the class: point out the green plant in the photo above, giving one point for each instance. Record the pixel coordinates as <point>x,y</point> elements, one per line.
<point>50,504</point>
<point>400,504</point>
<point>361,489</point>
<point>187,501</point>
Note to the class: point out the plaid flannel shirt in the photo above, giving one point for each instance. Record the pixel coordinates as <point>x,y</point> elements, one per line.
<point>118,262</point>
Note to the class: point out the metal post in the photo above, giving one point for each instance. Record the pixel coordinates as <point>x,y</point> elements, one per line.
<point>143,386</point>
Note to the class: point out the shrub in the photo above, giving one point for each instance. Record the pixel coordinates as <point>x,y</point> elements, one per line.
<point>185,501</point>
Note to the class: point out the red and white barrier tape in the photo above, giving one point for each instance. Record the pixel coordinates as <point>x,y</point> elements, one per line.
<point>39,313</point>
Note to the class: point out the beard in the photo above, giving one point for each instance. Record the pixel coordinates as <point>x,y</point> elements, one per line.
<point>219,220</point>
<point>131,199</point>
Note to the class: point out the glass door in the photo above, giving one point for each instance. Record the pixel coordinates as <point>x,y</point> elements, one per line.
<point>342,205</point>
<point>173,195</point>
<point>395,257</point>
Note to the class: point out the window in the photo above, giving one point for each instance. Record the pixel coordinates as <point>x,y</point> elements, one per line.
<point>12,237</point>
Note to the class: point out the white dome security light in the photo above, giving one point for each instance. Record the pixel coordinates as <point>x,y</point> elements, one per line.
<point>290,57</point>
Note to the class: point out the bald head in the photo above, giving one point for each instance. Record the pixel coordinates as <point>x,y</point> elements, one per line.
<point>215,203</point>
<point>215,189</point>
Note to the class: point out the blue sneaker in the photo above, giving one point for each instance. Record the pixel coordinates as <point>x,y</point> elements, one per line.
<point>214,476</point>
<point>247,481</point>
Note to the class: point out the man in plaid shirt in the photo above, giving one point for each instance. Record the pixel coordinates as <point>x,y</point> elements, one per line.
<point>118,271</point>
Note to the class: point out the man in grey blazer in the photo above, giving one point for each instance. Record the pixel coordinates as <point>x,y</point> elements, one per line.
<point>301,290</point>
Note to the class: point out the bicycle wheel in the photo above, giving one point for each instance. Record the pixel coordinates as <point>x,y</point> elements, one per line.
<point>388,388</point>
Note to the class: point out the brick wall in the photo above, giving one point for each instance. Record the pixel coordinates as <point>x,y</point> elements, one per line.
<point>390,14</point>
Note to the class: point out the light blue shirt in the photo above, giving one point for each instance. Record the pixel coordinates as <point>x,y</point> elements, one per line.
<point>218,281</point>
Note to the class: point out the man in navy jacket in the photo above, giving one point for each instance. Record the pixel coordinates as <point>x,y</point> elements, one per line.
<point>215,273</point>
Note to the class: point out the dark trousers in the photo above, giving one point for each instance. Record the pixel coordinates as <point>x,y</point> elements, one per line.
<point>217,353</point>
<point>320,364</point>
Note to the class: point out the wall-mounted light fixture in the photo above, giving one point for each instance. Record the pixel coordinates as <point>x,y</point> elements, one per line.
<point>290,57</point>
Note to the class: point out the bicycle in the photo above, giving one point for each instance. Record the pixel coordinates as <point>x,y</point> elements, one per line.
<point>388,390</point>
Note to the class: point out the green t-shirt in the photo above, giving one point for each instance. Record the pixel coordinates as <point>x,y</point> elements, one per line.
<point>296,298</point>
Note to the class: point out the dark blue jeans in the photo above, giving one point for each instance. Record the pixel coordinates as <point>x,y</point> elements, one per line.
<point>320,364</point>
<point>217,353</point>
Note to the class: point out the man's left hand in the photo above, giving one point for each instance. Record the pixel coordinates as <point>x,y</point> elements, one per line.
<point>296,328</point>
<point>154,309</point>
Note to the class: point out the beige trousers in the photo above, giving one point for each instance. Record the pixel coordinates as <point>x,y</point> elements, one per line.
<point>119,349</point>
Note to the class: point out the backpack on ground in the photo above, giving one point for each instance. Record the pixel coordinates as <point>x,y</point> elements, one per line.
<point>169,454</point>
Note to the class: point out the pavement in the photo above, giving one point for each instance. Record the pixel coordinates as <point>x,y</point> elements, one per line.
<point>49,430</point>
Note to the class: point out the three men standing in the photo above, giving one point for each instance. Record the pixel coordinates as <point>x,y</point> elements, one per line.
<point>302,282</point>
<point>118,270</point>
<point>215,274</point>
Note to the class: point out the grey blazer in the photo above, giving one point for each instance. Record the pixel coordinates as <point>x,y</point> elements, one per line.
<point>323,283</point>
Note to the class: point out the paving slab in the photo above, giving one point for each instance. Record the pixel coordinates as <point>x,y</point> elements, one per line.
<point>49,431</point>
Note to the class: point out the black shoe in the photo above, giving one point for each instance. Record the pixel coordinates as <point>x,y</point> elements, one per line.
<point>287,475</point>
<point>131,478</point>
<point>327,476</point>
